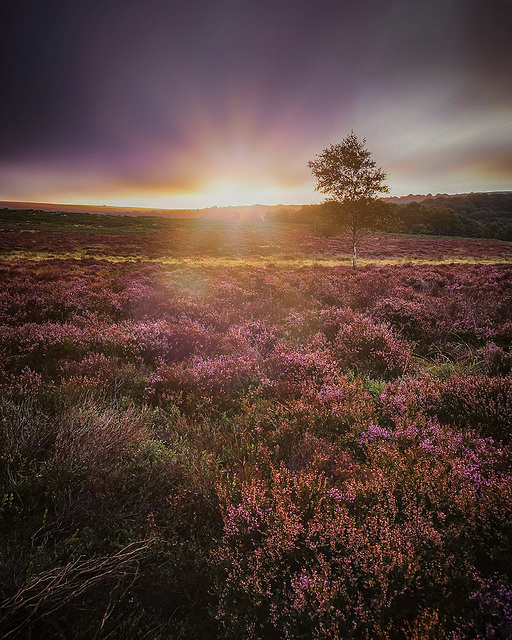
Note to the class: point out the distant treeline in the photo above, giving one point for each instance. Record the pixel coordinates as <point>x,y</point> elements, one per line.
<point>476,215</point>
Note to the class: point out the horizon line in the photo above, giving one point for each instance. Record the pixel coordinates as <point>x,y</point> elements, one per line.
<point>232,206</point>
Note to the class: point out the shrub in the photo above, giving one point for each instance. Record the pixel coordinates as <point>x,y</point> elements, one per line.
<point>371,349</point>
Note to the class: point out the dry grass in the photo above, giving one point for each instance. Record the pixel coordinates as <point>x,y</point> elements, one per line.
<point>324,260</point>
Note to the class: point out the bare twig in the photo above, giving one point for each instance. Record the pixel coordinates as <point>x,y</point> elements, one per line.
<point>52,589</point>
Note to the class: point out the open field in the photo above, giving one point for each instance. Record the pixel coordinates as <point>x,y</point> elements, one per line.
<point>44,236</point>
<point>222,431</point>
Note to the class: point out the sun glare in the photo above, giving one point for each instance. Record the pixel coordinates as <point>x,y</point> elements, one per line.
<point>229,193</point>
<point>223,193</point>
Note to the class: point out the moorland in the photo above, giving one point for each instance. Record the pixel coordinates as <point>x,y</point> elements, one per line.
<point>219,429</point>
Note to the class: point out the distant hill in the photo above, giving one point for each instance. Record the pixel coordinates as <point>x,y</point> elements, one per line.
<point>252,212</point>
<point>473,215</point>
<point>412,198</point>
<point>478,215</point>
<point>485,207</point>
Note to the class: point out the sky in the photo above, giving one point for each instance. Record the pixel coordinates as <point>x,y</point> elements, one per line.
<point>195,103</point>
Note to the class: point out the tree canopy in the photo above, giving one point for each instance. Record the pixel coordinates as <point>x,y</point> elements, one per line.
<point>346,171</point>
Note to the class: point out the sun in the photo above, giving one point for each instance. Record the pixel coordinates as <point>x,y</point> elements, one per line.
<point>221,193</point>
<point>236,192</point>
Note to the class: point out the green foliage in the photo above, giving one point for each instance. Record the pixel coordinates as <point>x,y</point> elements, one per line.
<point>346,172</point>
<point>357,218</point>
<point>487,215</point>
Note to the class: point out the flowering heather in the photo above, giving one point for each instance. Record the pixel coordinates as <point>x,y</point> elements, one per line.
<point>254,451</point>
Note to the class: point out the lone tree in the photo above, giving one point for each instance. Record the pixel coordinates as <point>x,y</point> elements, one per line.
<point>352,180</point>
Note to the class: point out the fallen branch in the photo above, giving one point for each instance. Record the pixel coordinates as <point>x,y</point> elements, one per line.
<point>57,587</point>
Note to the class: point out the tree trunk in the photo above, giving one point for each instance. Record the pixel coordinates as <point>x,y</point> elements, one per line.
<point>354,237</point>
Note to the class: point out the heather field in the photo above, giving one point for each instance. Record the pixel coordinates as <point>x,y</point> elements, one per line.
<point>223,431</point>
<point>39,235</point>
